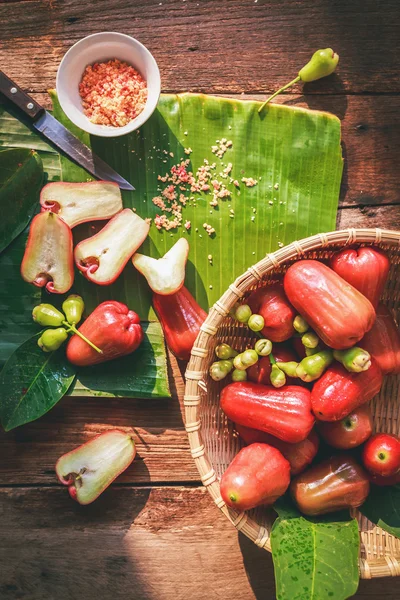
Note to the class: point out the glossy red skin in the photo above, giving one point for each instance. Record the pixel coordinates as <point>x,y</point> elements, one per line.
<point>299,455</point>
<point>366,269</point>
<point>337,392</point>
<point>334,484</point>
<point>283,412</point>
<point>258,474</point>
<point>113,328</point>
<point>339,314</point>
<point>271,303</point>
<point>261,371</point>
<point>382,481</point>
<point>387,444</point>
<point>383,341</point>
<point>350,432</point>
<point>180,317</point>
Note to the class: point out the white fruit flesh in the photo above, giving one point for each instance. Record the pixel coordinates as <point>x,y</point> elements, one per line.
<point>103,256</point>
<point>89,469</point>
<point>80,202</point>
<point>48,258</point>
<point>164,275</point>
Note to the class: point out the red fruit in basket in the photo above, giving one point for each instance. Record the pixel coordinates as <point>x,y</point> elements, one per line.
<point>282,412</point>
<point>366,269</point>
<point>338,392</point>
<point>180,317</point>
<point>271,303</point>
<point>299,455</point>
<point>383,341</point>
<point>261,371</point>
<point>258,474</point>
<point>382,481</point>
<point>381,454</point>
<point>350,432</point>
<point>339,314</point>
<point>334,484</point>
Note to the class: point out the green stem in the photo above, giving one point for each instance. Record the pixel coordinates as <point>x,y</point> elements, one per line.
<point>282,89</point>
<point>78,333</point>
<point>272,359</point>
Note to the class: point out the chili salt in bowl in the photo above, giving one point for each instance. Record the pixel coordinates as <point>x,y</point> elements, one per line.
<point>97,48</point>
<point>213,442</point>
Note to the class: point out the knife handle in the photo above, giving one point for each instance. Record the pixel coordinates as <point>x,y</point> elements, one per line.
<point>18,97</point>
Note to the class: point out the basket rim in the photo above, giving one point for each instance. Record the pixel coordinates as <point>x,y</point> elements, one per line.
<point>196,369</point>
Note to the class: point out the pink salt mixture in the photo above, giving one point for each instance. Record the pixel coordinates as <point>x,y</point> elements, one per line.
<point>113,93</point>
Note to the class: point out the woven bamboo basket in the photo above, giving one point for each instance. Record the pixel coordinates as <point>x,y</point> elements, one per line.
<point>213,442</point>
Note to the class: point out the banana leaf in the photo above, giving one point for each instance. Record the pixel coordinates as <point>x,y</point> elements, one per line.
<point>293,154</point>
<point>21,177</point>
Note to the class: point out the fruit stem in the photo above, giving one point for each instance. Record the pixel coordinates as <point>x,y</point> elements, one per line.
<point>78,333</point>
<point>282,89</point>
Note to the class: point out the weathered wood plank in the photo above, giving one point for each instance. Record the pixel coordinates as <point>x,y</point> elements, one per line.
<point>159,543</point>
<point>385,217</point>
<point>214,47</point>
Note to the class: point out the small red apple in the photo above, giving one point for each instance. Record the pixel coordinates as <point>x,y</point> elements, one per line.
<point>381,454</point>
<point>350,432</point>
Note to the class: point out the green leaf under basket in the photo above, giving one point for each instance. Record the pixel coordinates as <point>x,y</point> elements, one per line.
<point>314,558</point>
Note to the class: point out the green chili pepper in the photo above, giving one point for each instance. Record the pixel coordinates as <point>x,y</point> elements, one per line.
<point>312,367</point>
<point>263,347</point>
<point>225,351</point>
<point>47,315</point>
<point>73,308</point>
<point>256,322</point>
<point>220,369</point>
<point>238,375</point>
<point>310,340</point>
<point>243,313</point>
<point>353,359</point>
<point>289,368</point>
<point>52,339</point>
<point>322,63</point>
<point>300,324</point>
<point>249,358</point>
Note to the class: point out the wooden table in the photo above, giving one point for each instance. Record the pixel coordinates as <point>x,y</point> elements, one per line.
<point>156,534</point>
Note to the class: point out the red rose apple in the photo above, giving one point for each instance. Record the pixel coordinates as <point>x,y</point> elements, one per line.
<point>381,454</point>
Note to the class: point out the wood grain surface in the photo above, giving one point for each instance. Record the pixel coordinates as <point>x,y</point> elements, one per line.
<point>155,534</point>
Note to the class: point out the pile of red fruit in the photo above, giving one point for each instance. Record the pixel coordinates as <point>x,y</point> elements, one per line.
<point>326,345</point>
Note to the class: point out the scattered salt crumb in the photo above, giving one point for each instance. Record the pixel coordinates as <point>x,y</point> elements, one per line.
<point>188,225</point>
<point>185,133</point>
<point>253,218</point>
<point>249,181</point>
<point>188,150</point>
<point>209,229</point>
<point>221,147</point>
<point>270,202</point>
<point>276,186</point>
<point>280,244</point>
<point>210,286</point>
<point>171,154</point>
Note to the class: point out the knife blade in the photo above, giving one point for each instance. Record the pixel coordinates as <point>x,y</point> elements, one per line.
<point>59,135</point>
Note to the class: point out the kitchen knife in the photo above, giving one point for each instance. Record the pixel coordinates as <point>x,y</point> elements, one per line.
<point>58,135</point>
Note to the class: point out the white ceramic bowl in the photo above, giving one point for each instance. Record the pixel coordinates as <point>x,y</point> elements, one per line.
<point>101,47</point>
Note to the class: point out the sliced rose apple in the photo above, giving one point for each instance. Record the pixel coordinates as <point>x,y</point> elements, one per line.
<point>77,203</point>
<point>48,259</point>
<point>101,258</point>
<point>91,468</point>
<point>164,275</point>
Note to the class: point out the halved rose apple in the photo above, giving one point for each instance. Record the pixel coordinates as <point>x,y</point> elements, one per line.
<point>48,259</point>
<point>101,258</point>
<point>91,468</point>
<point>77,203</point>
<point>164,275</point>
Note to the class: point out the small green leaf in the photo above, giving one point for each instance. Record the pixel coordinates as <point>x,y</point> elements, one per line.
<point>32,382</point>
<point>314,558</point>
<point>383,508</point>
<point>21,174</point>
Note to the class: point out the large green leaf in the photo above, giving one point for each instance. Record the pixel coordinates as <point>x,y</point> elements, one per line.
<point>314,559</point>
<point>21,176</point>
<point>294,150</point>
<point>32,382</point>
<point>382,507</point>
